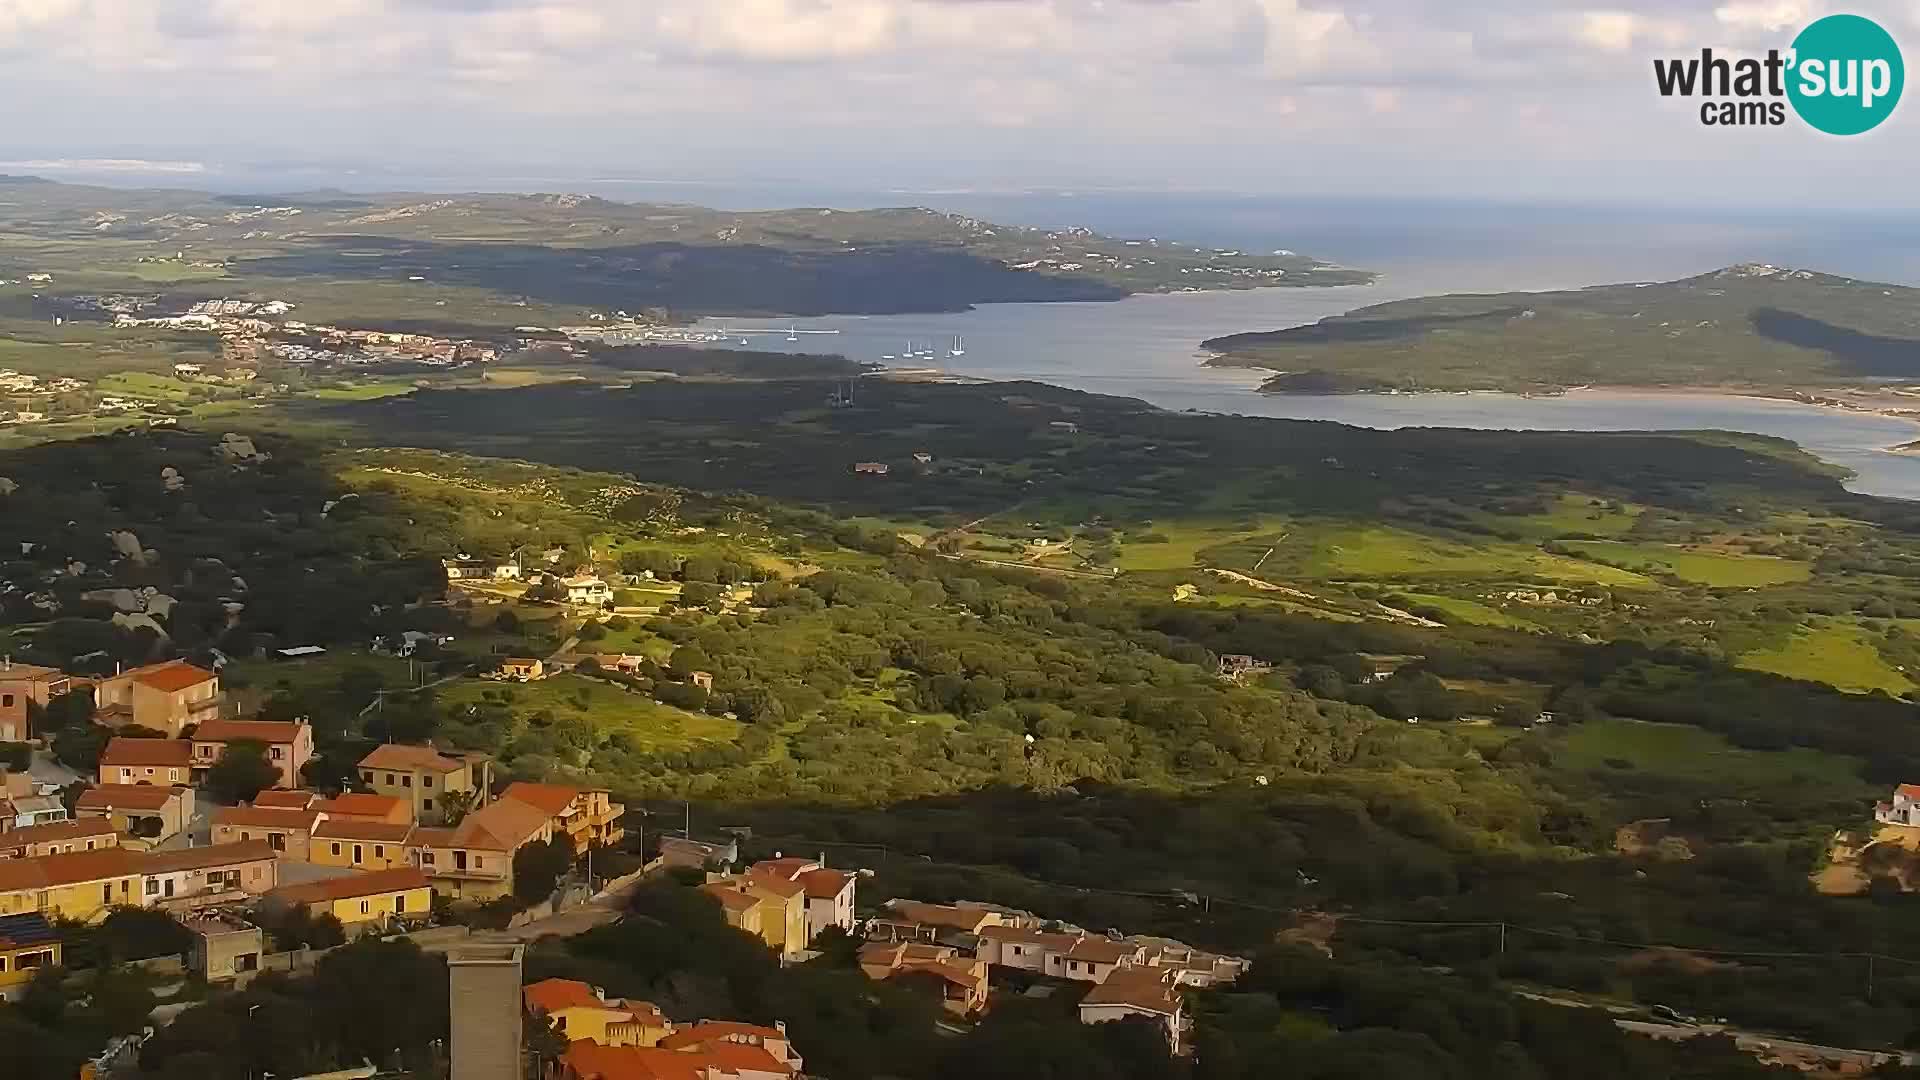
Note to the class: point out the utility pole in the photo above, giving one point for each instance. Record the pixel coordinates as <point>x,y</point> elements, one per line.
<point>1503,939</point>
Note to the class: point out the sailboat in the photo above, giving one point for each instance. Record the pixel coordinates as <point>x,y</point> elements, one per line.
<point>959,347</point>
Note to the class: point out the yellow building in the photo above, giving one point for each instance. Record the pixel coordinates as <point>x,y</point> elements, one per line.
<point>782,908</point>
<point>78,885</point>
<point>579,1011</point>
<point>362,845</point>
<point>362,902</point>
<point>433,782</point>
<point>166,697</point>
<point>743,910</point>
<point>27,944</point>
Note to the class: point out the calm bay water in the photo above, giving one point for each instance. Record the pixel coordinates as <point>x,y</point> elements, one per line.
<point>1148,346</point>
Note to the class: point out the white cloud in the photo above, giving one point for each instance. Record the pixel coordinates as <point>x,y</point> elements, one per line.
<point>1771,16</point>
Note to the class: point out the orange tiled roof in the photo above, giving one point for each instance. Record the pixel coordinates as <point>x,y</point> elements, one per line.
<point>402,756</point>
<point>790,867</point>
<point>126,797</point>
<point>358,829</point>
<point>556,994</point>
<point>353,885</point>
<point>1137,988</point>
<point>778,886</point>
<point>359,804</point>
<point>591,1061</point>
<point>707,1030</point>
<point>57,831</point>
<point>146,752</point>
<point>824,884</point>
<point>267,817</point>
<point>202,858</point>
<point>552,798</point>
<point>172,676</point>
<point>501,825</point>
<point>67,868</point>
<point>731,899</point>
<point>266,731</point>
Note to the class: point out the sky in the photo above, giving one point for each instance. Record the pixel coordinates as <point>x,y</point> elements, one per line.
<point>1520,100</point>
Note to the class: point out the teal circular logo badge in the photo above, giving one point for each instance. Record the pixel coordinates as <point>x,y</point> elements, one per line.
<point>1846,75</point>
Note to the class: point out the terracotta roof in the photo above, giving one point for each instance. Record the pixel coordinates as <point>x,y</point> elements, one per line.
<point>738,1057</point>
<point>709,1030</point>
<point>824,884</point>
<point>67,868</point>
<point>353,885</point>
<point>957,918</point>
<point>556,994</point>
<point>127,797</point>
<point>266,731</point>
<point>360,804</point>
<point>286,800</point>
<point>267,817</point>
<point>1911,791</point>
<point>731,899</point>
<point>203,858</point>
<point>171,677</point>
<point>778,886</point>
<point>790,867</point>
<point>356,829</point>
<point>1099,950</point>
<point>57,831</point>
<point>402,756</point>
<point>591,1061</point>
<point>552,798</point>
<point>434,836</point>
<point>124,751</point>
<point>501,825</point>
<point>1137,988</point>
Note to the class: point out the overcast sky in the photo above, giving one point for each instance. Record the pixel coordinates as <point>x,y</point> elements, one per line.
<point>1493,99</point>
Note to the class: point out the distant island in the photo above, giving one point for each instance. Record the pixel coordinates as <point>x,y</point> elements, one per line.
<point>484,254</point>
<point>1751,327</point>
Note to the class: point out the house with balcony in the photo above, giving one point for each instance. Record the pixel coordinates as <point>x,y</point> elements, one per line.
<point>962,979</point>
<point>288,745</point>
<point>474,859</point>
<point>579,1011</point>
<point>1141,992</point>
<point>166,697</point>
<point>587,816</point>
<point>184,879</point>
<point>154,762</point>
<point>437,784</point>
<point>22,688</point>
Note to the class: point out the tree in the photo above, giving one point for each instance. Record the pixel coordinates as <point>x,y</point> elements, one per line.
<point>242,772</point>
<point>537,868</point>
<point>79,747</point>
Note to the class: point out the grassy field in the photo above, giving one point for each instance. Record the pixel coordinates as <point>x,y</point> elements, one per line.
<point>1572,513</point>
<point>1372,553</point>
<point>1718,569</point>
<point>1680,752</point>
<point>1470,611</point>
<point>1186,541</point>
<point>652,725</point>
<point>1837,654</point>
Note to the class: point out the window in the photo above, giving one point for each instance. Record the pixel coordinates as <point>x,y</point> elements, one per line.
<point>426,858</point>
<point>476,862</point>
<point>31,960</point>
<point>426,781</point>
<point>406,780</point>
<point>106,893</point>
<point>366,775</point>
<point>364,908</point>
<point>427,804</point>
<point>278,752</point>
<point>459,860</point>
<point>89,845</point>
<point>379,851</point>
<point>336,849</point>
<point>244,835</point>
<point>356,853</point>
<point>153,886</point>
<point>389,778</point>
<point>126,774</point>
<point>3,965</point>
<point>399,903</point>
<point>6,701</point>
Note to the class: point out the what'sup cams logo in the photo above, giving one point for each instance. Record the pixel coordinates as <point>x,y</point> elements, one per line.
<point>1842,75</point>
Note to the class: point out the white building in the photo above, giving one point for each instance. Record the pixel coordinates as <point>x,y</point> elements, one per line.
<point>1903,810</point>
